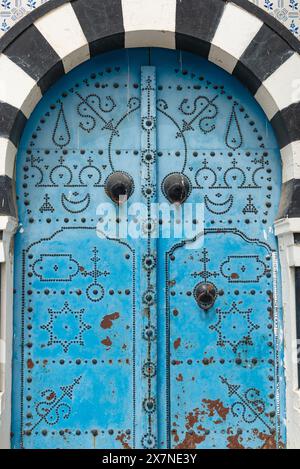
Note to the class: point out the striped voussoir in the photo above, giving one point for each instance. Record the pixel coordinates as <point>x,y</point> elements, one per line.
<point>234,34</point>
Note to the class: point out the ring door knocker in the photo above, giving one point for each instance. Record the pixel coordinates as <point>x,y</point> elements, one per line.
<point>119,187</point>
<point>205,294</point>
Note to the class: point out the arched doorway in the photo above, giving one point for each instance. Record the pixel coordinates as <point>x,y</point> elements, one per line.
<point>145,340</point>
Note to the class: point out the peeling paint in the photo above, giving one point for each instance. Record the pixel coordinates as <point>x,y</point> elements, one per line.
<point>51,396</point>
<point>175,435</point>
<point>107,321</point>
<point>177,343</point>
<point>107,342</point>
<point>269,441</point>
<point>30,364</point>
<point>191,438</point>
<point>123,438</point>
<point>216,406</point>
<point>191,441</point>
<point>234,443</point>
<point>192,418</point>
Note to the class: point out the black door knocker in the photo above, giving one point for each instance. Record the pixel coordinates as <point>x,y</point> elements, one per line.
<point>119,187</point>
<point>176,188</point>
<point>205,294</point>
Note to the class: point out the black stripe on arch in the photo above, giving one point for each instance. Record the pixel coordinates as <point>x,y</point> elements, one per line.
<point>290,200</point>
<point>7,197</point>
<point>270,20</point>
<point>264,55</point>
<point>32,52</point>
<point>12,123</point>
<point>102,24</point>
<point>196,24</point>
<point>286,124</point>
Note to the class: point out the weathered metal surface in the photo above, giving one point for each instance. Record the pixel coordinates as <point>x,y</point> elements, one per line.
<point>112,346</point>
<point>222,378</point>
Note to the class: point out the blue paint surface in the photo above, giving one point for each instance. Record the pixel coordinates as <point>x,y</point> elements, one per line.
<point>111,348</point>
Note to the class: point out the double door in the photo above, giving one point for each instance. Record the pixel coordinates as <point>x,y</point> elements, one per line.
<point>147,309</point>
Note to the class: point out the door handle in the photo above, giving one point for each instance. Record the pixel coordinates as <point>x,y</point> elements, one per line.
<point>119,187</point>
<point>205,294</point>
<point>177,188</point>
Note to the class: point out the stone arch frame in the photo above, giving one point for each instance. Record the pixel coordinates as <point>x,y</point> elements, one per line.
<point>234,34</point>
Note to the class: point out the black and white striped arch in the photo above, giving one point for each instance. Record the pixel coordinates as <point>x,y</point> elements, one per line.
<point>234,34</point>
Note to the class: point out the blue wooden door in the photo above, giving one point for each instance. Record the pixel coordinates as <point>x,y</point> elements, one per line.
<point>143,324</point>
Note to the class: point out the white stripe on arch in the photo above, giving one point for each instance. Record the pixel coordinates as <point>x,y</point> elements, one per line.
<point>149,23</point>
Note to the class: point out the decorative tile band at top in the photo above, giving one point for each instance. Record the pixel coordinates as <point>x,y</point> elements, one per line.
<point>286,11</point>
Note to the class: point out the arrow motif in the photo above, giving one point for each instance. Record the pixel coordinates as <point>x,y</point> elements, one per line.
<point>49,409</point>
<point>89,103</point>
<point>207,105</point>
<point>249,400</point>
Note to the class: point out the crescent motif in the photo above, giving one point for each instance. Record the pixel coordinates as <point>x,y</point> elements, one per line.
<point>218,208</point>
<point>75,206</point>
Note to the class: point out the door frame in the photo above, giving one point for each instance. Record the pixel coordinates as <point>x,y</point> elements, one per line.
<point>230,33</point>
